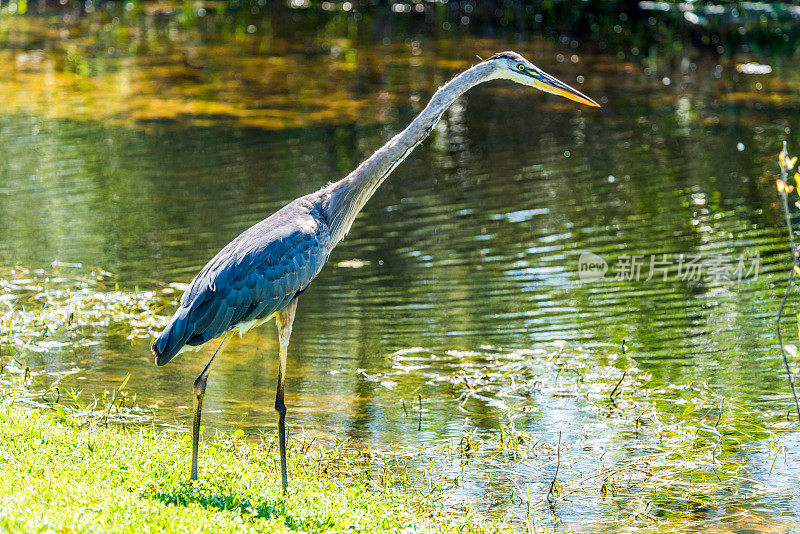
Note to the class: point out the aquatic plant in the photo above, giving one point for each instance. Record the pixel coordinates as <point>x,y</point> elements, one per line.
<point>60,309</point>
<point>66,305</point>
<point>787,164</point>
<point>681,447</point>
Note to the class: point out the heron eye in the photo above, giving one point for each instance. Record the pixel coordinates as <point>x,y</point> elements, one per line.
<point>521,67</point>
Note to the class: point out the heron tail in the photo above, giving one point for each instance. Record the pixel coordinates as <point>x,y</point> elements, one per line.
<point>173,339</point>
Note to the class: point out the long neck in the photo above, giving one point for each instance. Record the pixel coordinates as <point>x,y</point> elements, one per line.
<point>348,196</point>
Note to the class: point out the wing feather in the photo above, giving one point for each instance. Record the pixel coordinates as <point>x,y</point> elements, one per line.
<point>255,275</point>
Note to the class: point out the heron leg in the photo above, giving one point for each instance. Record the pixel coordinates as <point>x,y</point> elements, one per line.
<point>284,320</point>
<point>199,390</point>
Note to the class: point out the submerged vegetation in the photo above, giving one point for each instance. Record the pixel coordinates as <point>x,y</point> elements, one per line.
<point>146,64</point>
<point>688,446</point>
<point>63,305</point>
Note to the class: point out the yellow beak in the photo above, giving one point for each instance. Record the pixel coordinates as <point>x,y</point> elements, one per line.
<point>549,84</point>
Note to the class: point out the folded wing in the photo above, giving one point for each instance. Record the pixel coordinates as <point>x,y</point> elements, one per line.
<point>254,276</point>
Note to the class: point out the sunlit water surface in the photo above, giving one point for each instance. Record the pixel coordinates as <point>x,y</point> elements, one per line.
<point>144,160</point>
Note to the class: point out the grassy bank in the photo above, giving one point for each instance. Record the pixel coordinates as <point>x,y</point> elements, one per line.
<point>57,475</point>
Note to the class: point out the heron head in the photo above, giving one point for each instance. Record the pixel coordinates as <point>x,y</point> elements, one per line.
<point>514,67</point>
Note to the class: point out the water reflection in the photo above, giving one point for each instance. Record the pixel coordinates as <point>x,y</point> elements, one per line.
<point>144,153</point>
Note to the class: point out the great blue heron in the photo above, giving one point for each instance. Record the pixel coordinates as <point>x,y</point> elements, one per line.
<point>260,274</point>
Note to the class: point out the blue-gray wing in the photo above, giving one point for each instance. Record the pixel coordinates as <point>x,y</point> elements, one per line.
<point>254,276</point>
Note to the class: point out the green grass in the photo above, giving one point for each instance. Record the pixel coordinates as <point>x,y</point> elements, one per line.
<point>64,476</point>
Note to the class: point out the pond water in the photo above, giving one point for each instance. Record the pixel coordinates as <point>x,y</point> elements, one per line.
<point>140,144</point>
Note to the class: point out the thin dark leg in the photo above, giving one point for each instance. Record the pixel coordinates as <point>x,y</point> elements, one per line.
<point>199,391</point>
<point>280,409</point>
<point>284,320</point>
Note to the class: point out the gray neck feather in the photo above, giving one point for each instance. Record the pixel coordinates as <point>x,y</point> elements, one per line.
<point>346,197</point>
